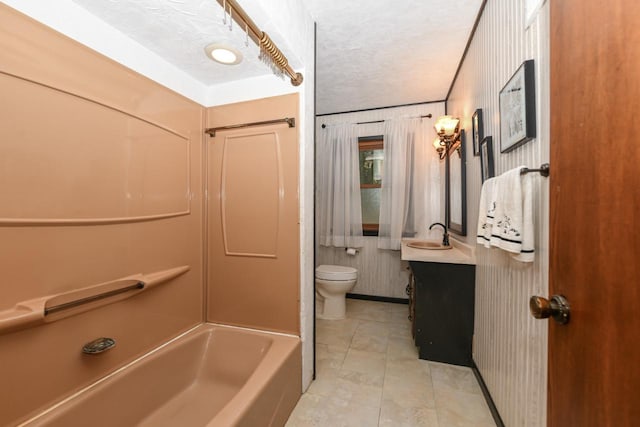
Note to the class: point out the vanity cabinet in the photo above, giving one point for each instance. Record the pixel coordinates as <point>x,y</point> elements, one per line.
<point>444,299</point>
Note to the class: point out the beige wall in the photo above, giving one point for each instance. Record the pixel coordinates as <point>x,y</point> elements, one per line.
<point>253,217</point>
<point>117,159</point>
<point>510,347</point>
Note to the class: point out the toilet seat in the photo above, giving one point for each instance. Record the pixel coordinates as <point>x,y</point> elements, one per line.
<point>336,273</point>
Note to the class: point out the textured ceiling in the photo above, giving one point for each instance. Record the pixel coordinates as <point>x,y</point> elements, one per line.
<point>370,53</point>
<point>178,31</point>
<point>375,53</point>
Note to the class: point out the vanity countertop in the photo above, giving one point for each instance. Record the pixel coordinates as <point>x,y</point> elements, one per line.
<point>461,253</point>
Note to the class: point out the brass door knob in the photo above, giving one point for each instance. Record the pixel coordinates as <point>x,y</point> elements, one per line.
<point>557,307</point>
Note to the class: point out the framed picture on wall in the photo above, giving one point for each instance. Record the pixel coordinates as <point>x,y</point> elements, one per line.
<point>486,158</point>
<point>477,130</point>
<point>518,108</point>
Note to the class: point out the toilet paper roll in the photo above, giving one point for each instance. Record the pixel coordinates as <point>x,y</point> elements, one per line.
<point>352,251</point>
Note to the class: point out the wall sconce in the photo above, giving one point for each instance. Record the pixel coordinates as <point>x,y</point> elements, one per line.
<point>439,146</point>
<point>448,129</point>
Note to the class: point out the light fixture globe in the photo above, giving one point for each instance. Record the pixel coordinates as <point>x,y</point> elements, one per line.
<point>223,54</point>
<point>447,126</point>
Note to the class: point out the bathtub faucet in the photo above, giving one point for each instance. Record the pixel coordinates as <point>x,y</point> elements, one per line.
<point>445,235</point>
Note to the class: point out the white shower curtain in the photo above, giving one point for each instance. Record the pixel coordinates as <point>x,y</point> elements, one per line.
<point>410,196</point>
<point>339,213</point>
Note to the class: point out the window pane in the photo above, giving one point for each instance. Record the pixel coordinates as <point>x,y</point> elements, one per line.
<point>370,205</point>
<point>371,166</point>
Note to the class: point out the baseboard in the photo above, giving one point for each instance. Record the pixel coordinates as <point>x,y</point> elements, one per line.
<point>379,299</point>
<point>487,395</point>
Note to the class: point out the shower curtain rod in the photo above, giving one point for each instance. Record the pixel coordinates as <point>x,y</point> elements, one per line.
<point>382,121</point>
<point>260,38</point>
<point>290,121</point>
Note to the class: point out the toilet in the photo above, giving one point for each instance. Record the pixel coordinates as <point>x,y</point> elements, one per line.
<point>332,284</point>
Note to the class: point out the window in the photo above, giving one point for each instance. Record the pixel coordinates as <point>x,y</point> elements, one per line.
<point>371,171</point>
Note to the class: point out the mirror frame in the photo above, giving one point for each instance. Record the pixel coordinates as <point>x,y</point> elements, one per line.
<point>460,229</point>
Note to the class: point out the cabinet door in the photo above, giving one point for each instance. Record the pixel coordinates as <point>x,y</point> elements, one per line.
<point>444,311</point>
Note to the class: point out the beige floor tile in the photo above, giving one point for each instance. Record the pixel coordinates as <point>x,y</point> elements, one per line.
<point>368,310</point>
<point>394,415</point>
<point>356,387</point>
<point>343,325</point>
<point>416,393</point>
<point>408,369</point>
<point>399,308</point>
<point>369,374</point>
<point>329,357</point>
<point>455,378</point>
<point>324,411</point>
<point>401,348</point>
<point>368,362</point>
<point>335,338</point>
<point>400,330</point>
<point>400,316</point>
<point>461,409</point>
<point>369,342</point>
<point>371,327</point>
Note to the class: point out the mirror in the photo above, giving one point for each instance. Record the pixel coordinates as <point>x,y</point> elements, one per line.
<point>456,188</point>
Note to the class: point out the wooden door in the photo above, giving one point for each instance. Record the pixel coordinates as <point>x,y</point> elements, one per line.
<point>594,360</point>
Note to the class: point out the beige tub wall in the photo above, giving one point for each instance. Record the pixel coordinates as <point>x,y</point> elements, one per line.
<point>43,364</point>
<point>250,291</point>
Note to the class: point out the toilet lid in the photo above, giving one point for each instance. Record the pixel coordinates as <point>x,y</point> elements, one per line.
<point>336,272</point>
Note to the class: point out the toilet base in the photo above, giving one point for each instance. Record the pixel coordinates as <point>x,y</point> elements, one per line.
<point>330,297</point>
<point>332,308</point>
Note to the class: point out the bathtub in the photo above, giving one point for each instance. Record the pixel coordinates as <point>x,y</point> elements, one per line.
<point>212,376</point>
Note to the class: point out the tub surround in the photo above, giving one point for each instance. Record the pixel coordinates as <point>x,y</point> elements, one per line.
<point>152,141</point>
<point>253,243</point>
<point>65,256</point>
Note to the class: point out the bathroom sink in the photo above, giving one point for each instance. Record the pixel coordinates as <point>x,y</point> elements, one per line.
<point>423,244</point>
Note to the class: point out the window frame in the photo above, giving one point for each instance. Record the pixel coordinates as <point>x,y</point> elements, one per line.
<point>366,143</point>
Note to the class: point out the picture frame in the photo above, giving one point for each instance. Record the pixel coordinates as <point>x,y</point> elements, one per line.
<point>518,108</point>
<point>477,130</point>
<point>487,169</point>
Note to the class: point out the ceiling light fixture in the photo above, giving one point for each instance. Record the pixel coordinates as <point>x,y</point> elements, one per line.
<point>223,54</point>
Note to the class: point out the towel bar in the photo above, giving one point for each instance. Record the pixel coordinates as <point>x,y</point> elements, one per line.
<point>543,170</point>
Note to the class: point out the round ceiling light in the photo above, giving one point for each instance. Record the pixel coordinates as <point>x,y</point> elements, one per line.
<point>223,54</point>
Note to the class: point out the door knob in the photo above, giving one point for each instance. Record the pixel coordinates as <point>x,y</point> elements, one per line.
<point>558,308</point>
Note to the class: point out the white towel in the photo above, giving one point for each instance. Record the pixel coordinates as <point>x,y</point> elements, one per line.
<point>505,215</point>
<point>513,220</point>
<point>486,211</point>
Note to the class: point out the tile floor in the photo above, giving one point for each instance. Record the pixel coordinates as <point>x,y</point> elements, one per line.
<point>369,374</point>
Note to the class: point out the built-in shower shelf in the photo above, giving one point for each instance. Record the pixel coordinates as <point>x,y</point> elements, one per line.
<point>55,307</point>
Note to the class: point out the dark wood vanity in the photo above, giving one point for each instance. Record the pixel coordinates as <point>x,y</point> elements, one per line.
<point>441,304</point>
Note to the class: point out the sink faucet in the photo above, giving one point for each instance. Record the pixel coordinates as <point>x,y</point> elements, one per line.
<point>445,235</point>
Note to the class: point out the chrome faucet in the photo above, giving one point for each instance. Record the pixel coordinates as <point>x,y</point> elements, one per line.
<point>445,235</point>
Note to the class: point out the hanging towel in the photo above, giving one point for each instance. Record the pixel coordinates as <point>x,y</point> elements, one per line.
<point>513,217</point>
<point>486,212</point>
